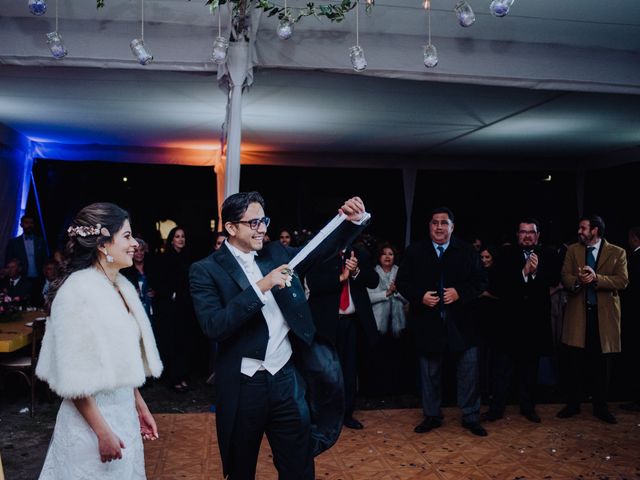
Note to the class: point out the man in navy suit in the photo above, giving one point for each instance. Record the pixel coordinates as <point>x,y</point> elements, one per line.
<point>264,329</point>
<point>30,249</point>
<point>441,277</point>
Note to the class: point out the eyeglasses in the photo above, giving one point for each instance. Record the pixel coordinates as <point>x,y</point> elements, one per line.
<point>527,232</point>
<point>254,223</point>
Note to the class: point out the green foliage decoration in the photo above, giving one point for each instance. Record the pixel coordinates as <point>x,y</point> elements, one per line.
<point>332,11</point>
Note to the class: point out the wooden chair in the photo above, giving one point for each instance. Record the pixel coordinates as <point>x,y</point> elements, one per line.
<point>25,365</point>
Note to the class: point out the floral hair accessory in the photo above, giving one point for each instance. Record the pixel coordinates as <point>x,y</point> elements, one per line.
<point>86,231</point>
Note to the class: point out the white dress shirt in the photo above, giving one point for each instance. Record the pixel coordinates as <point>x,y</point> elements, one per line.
<point>278,346</point>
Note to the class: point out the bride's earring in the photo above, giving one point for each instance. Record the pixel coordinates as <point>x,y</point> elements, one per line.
<point>109,257</point>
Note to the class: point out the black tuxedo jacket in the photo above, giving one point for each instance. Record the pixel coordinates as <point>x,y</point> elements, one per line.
<point>325,287</point>
<point>420,271</point>
<point>525,323</point>
<point>229,312</point>
<point>21,289</point>
<point>15,249</point>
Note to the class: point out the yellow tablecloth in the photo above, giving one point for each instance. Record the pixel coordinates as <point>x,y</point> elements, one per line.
<point>15,335</point>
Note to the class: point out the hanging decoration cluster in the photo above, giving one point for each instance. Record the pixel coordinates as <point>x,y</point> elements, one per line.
<point>287,17</point>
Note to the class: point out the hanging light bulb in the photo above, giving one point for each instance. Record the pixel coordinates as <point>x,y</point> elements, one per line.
<point>430,56</point>
<point>219,52</point>
<point>285,27</point>
<point>140,52</point>
<point>499,8</point>
<point>38,7</point>
<point>137,44</point>
<point>430,52</point>
<point>220,44</point>
<point>356,53</point>
<point>54,41</point>
<point>465,14</point>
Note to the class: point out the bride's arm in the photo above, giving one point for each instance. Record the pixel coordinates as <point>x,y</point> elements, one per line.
<point>148,427</point>
<point>109,445</point>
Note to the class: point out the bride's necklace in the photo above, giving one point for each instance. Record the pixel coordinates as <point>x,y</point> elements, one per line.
<point>115,285</point>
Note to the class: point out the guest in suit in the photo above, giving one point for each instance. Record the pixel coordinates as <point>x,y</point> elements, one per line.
<point>442,277</point>
<point>342,313</point>
<point>50,272</point>
<point>525,273</point>
<point>16,285</point>
<point>593,273</point>
<point>631,320</point>
<point>29,248</point>
<point>262,328</point>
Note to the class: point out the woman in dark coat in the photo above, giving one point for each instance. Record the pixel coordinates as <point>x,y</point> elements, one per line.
<point>174,311</point>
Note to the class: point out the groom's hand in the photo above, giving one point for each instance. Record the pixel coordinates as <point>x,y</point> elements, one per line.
<point>278,277</point>
<point>353,209</point>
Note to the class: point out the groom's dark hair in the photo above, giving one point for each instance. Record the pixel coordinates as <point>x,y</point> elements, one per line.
<point>235,205</point>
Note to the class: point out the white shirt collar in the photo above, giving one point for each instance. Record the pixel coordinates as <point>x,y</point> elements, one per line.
<point>242,257</point>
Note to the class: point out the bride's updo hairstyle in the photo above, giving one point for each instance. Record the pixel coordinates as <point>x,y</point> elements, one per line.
<point>90,230</point>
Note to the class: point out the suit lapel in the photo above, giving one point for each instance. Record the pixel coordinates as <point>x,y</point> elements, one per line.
<point>603,254</point>
<point>264,263</point>
<point>229,263</point>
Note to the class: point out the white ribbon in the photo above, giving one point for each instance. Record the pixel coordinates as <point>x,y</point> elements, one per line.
<point>317,240</point>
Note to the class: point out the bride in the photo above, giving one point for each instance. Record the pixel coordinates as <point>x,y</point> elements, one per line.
<point>98,348</point>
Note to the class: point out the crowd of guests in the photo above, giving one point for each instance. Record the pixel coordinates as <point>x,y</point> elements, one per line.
<point>492,311</point>
<point>396,324</point>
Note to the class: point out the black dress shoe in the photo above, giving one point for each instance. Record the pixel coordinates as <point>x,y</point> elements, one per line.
<point>352,423</point>
<point>428,424</point>
<point>568,411</point>
<point>605,415</point>
<point>531,416</point>
<point>475,428</point>
<point>490,416</point>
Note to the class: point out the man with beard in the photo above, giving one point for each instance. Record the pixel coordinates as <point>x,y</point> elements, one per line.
<point>524,274</point>
<point>593,273</point>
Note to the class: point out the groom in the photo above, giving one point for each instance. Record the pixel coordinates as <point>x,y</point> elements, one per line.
<point>264,330</point>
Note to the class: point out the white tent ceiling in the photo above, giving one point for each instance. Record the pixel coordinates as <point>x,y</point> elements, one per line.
<point>557,83</point>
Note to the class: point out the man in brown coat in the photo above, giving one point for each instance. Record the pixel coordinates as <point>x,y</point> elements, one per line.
<point>593,273</point>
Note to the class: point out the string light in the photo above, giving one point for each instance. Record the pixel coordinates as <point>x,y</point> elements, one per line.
<point>430,52</point>
<point>37,7</point>
<point>54,40</point>
<point>285,27</point>
<point>137,44</point>
<point>356,53</point>
<point>499,8</point>
<point>465,14</point>
<point>220,44</point>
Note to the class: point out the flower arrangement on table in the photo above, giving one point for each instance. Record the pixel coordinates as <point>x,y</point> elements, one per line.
<point>10,307</point>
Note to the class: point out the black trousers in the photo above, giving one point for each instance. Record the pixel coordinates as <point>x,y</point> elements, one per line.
<point>519,368</point>
<point>347,347</point>
<point>275,405</point>
<point>588,369</point>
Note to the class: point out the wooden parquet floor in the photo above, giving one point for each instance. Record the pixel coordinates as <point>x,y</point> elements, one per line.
<point>580,448</point>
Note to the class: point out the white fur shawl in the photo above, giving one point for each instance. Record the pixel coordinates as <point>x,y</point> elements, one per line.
<point>92,343</point>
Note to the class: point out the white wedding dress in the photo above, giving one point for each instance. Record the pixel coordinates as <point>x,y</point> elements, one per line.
<point>73,452</point>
